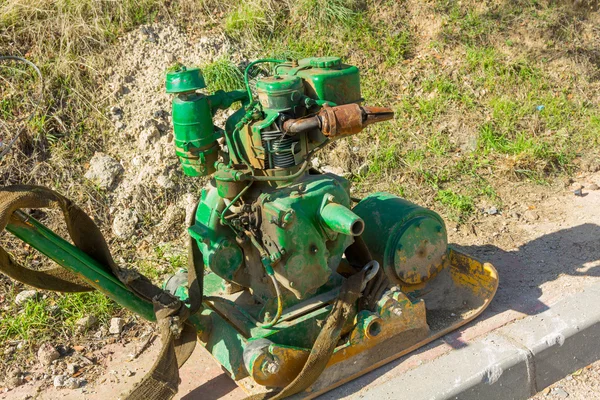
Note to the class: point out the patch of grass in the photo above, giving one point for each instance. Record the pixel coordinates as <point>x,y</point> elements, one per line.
<point>460,206</point>
<point>42,319</point>
<point>321,13</point>
<point>222,74</point>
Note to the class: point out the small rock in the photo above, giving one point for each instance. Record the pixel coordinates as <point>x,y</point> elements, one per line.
<point>73,383</point>
<point>104,171</point>
<point>165,182</point>
<point>47,354</point>
<point>72,368</point>
<point>328,169</point>
<point>530,216</point>
<point>59,381</point>
<point>86,322</point>
<point>593,186</point>
<point>148,137</point>
<point>14,378</point>
<point>115,110</point>
<point>119,125</point>
<point>124,223</point>
<point>25,296</point>
<point>128,373</point>
<point>9,350</point>
<point>170,58</point>
<point>363,170</point>
<point>560,392</point>
<point>355,149</point>
<point>492,211</point>
<point>116,326</point>
<point>316,163</point>
<point>514,214</point>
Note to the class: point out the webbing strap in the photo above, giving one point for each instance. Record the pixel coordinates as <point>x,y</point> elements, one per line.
<point>178,338</point>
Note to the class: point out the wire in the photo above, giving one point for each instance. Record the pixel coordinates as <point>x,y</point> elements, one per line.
<point>253,63</point>
<point>37,103</point>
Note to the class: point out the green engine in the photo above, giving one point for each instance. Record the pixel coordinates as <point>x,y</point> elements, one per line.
<point>267,223</point>
<point>280,238</point>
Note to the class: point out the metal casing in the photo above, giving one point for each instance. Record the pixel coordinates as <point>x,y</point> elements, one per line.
<point>409,241</point>
<point>326,78</point>
<point>280,92</point>
<point>195,137</point>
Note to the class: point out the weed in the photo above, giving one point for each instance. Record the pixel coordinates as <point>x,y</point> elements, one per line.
<point>222,74</point>
<point>459,205</point>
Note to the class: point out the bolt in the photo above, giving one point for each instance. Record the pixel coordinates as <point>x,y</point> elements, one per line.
<point>270,367</point>
<point>396,310</point>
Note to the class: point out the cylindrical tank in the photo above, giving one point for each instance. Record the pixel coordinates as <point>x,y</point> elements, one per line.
<point>195,137</point>
<point>410,242</point>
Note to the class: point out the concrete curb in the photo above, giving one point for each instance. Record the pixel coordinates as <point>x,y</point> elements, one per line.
<point>512,362</point>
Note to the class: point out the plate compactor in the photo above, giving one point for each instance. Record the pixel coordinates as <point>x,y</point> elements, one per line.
<point>293,286</point>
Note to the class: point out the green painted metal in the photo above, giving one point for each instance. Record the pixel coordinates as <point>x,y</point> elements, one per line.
<point>64,253</point>
<point>326,78</point>
<point>280,92</point>
<point>409,241</point>
<point>184,80</point>
<point>341,220</point>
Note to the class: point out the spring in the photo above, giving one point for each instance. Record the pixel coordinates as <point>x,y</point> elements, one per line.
<point>280,148</point>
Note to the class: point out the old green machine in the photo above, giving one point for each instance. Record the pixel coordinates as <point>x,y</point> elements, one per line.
<point>279,240</point>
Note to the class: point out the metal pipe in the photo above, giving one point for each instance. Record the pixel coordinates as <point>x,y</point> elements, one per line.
<point>340,219</point>
<point>68,256</point>
<point>38,236</point>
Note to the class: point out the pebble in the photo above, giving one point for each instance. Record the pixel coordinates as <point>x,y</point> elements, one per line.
<point>124,223</point>
<point>104,171</point>
<point>59,381</point>
<point>25,296</point>
<point>47,354</point>
<point>492,211</point>
<point>593,186</point>
<point>72,368</point>
<point>116,326</point>
<point>560,392</point>
<point>530,215</point>
<point>316,163</point>
<point>328,169</point>
<point>86,322</point>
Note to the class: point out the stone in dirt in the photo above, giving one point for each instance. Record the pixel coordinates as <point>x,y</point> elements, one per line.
<point>530,216</point>
<point>86,322</point>
<point>593,186</point>
<point>116,326</point>
<point>47,353</point>
<point>72,368</point>
<point>104,171</point>
<point>14,378</point>
<point>560,392</point>
<point>124,223</point>
<point>148,137</point>
<point>25,296</point>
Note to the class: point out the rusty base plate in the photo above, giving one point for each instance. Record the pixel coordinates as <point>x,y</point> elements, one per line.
<point>456,296</point>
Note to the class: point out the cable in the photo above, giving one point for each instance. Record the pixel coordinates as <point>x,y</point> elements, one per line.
<point>37,103</point>
<point>253,63</point>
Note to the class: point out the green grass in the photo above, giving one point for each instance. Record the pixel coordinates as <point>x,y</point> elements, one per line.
<point>42,319</point>
<point>222,74</point>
